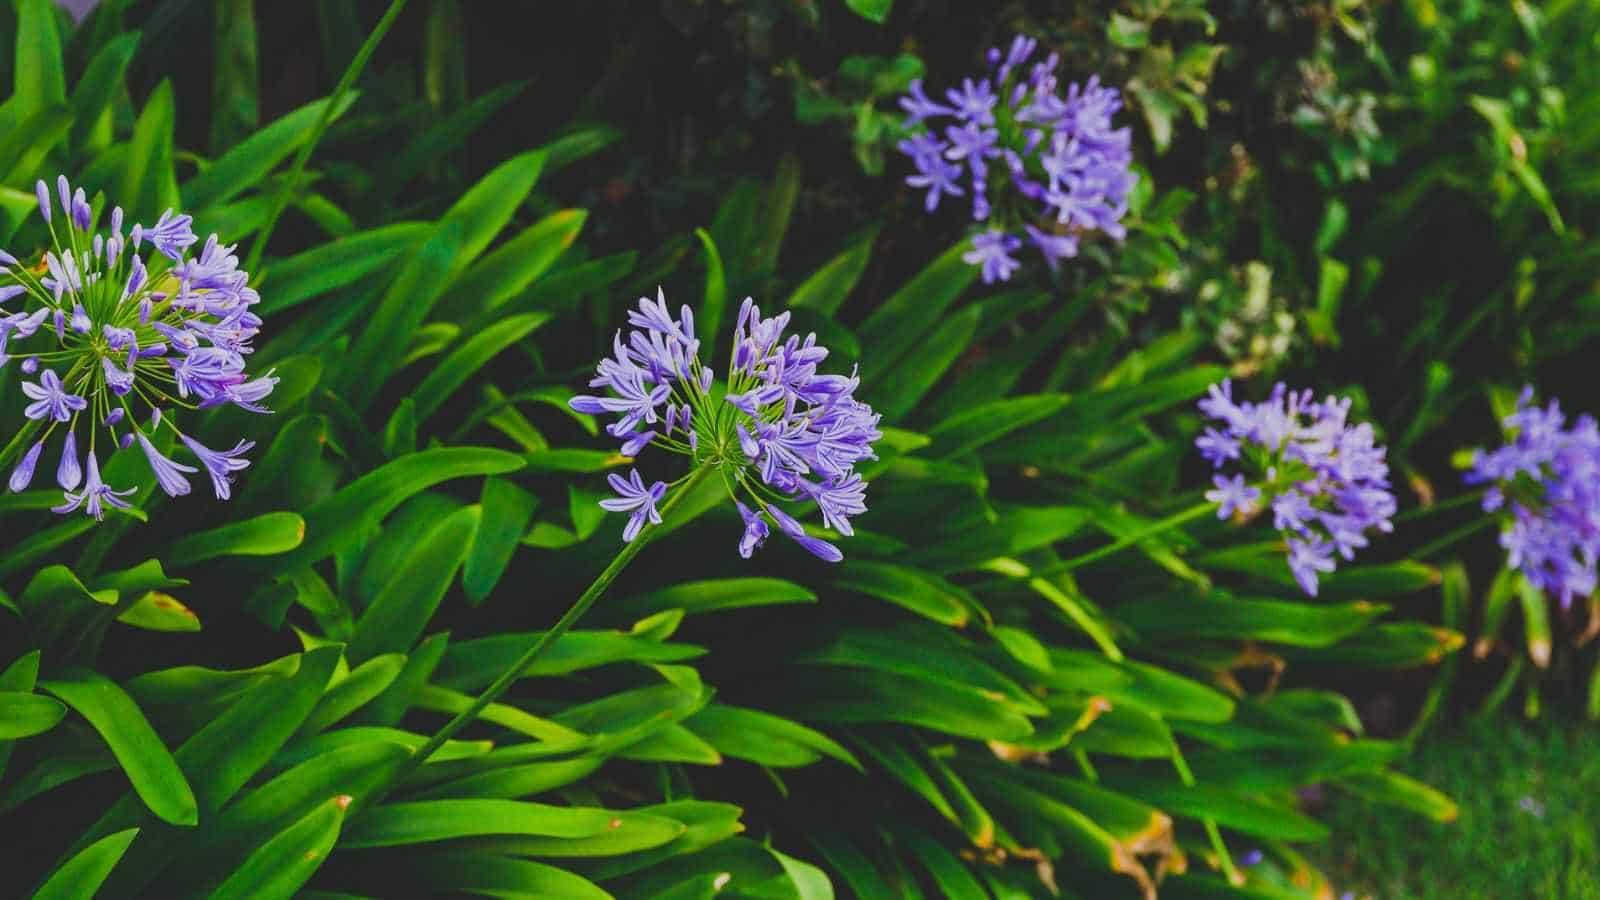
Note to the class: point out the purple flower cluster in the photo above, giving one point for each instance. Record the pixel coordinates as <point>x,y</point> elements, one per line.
<point>112,338</point>
<point>1324,479</point>
<point>779,432</point>
<point>1548,481</point>
<point>1066,166</point>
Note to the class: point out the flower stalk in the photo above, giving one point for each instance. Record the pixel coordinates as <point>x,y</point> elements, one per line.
<point>585,601</point>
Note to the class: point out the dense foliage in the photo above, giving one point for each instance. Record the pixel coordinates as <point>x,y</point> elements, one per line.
<point>1070,599</point>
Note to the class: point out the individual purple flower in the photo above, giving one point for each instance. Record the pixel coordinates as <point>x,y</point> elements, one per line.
<point>937,176</point>
<point>1545,483</point>
<point>95,496</point>
<point>130,334</point>
<point>1325,480</point>
<point>779,430</point>
<point>51,399</point>
<point>22,475</point>
<point>171,235</point>
<point>817,547</point>
<point>755,531</point>
<point>69,474</point>
<point>220,465</point>
<point>1019,138</point>
<point>1233,496</point>
<point>992,251</point>
<point>169,474</point>
<point>1306,560</point>
<point>637,500</point>
<point>919,107</point>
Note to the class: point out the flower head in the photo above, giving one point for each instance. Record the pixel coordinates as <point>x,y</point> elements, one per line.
<point>778,431</point>
<point>1545,482</point>
<point>115,337</point>
<point>1325,480</point>
<point>1057,153</point>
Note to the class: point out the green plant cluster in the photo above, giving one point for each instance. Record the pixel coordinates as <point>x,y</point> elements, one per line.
<point>1024,681</point>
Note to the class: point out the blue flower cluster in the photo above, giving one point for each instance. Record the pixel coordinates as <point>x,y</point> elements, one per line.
<point>1547,481</point>
<point>1067,166</point>
<point>1325,479</point>
<point>112,341</point>
<point>778,431</point>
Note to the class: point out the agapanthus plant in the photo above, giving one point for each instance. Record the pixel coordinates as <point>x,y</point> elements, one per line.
<point>112,342</point>
<point>1546,484</point>
<point>777,432</point>
<point>1324,479</point>
<point>1040,166</point>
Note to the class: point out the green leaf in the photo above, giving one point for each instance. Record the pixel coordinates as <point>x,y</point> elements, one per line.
<point>333,265</point>
<point>288,861</point>
<point>270,534</point>
<point>866,695</point>
<point>222,757</point>
<point>340,520</point>
<point>1127,33</point>
<point>249,163</point>
<point>980,426</point>
<point>871,10</point>
<point>901,322</point>
<point>467,359</point>
<point>470,665</point>
<point>427,821</point>
<point>507,510</point>
<point>695,597</point>
<point>222,847</point>
<point>492,875</point>
<point>400,612</point>
<point>348,694</point>
<point>763,738</point>
<point>921,592</point>
<point>463,233</point>
<point>148,185</point>
<point>1227,807</point>
<point>715,300</point>
<point>1299,624</point>
<point>506,273</point>
<point>140,752</point>
<point>24,715</point>
<point>38,76</point>
<point>574,459</point>
<point>1402,791</point>
<point>825,291</point>
<point>80,877</point>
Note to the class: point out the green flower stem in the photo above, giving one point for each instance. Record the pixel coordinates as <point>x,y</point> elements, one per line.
<point>1212,831</point>
<point>1153,529</point>
<point>570,618</point>
<point>1441,506</point>
<point>1465,531</point>
<point>351,73</point>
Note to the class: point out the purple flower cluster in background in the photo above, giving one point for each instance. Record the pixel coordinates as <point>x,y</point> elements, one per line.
<point>780,431</point>
<point>108,339</point>
<point>1324,479</point>
<point>1056,166</point>
<point>1547,479</point>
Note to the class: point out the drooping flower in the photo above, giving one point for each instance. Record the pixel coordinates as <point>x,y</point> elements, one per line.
<point>778,432</point>
<point>1545,482</point>
<point>128,336</point>
<point>1061,164</point>
<point>1325,480</point>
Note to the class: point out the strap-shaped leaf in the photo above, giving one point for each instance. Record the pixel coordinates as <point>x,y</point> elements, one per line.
<point>144,758</point>
<point>80,877</point>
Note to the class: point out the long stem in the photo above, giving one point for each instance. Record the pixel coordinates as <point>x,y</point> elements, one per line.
<point>1149,531</point>
<point>1441,506</point>
<point>281,200</point>
<point>520,667</point>
<point>1213,833</point>
<point>1471,528</point>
